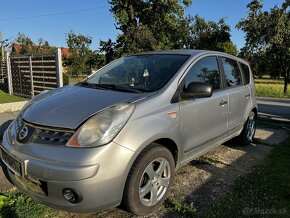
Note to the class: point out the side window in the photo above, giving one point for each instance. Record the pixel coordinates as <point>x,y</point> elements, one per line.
<point>246,72</point>
<point>232,72</point>
<point>205,70</point>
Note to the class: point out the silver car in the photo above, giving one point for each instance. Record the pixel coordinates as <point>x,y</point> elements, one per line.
<point>118,137</point>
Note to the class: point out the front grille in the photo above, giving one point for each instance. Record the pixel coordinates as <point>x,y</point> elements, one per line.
<point>47,135</point>
<point>43,136</point>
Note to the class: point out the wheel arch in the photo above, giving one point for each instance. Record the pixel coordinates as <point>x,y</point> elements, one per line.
<point>165,142</point>
<point>255,111</point>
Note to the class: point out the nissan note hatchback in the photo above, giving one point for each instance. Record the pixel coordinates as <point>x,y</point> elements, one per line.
<point>117,137</point>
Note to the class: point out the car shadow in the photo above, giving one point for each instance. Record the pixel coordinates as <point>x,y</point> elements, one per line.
<point>212,175</point>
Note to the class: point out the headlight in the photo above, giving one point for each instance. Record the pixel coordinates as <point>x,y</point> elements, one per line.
<point>102,127</point>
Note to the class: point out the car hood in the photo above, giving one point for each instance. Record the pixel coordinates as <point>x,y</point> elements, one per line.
<point>69,106</point>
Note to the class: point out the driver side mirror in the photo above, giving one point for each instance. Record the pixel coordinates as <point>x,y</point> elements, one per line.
<point>197,90</point>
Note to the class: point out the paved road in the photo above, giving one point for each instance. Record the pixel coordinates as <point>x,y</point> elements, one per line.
<point>5,119</point>
<point>276,109</point>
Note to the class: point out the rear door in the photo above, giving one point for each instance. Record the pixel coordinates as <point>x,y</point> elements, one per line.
<point>239,94</point>
<point>203,119</point>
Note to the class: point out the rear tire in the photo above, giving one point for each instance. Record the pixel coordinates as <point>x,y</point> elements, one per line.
<point>247,135</point>
<point>149,180</point>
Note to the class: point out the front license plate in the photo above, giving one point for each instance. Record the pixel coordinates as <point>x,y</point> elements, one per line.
<point>31,185</point>
<point>11,163</point>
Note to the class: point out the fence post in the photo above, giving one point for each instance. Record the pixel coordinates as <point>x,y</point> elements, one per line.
<point>58,60</point>
<point>9,75</point>
<point>31,76</point>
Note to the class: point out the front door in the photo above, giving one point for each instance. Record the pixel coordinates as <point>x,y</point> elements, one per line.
<point>203,119</point>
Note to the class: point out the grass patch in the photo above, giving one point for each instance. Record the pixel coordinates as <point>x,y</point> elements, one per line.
<point>265,192</point>
<point>14,204</point>
<point>6,98</point>
<point>269,81</point>
<point>271,90</point>
<point>179,207</point>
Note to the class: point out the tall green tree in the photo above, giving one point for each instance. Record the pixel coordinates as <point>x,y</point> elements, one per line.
<point>149,25</point>
<point>161,24</point>
<point>211,35</point>
<point>81,54</point>
<point>268,32</point>
<point>109,49</point>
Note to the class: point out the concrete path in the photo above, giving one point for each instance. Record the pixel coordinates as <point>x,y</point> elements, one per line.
<point>5,120</point>
<point>274,108</point>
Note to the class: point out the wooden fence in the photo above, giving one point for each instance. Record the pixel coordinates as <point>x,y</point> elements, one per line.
<point>33,74</point>
<point>3,75</point>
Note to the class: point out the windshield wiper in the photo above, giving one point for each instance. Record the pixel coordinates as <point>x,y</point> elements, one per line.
<point>87,84</point>
<point>112,87</point>
<point>119,88</point>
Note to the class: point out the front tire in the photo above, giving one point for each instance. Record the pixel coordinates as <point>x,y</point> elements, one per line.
<point>149,180</point>
<point>247,135</point>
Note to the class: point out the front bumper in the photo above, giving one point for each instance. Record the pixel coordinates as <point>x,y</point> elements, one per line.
<point>98,174</point>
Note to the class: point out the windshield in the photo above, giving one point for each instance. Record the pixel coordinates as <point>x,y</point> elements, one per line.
<point>139,73</point>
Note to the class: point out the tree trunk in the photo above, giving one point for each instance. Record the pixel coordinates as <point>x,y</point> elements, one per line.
<point>286,78</point>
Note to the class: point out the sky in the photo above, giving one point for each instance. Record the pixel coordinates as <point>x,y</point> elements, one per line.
<point>52,19</point>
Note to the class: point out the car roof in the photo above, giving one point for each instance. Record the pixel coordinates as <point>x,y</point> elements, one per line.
<point>191,53</point>
<point>178,51</point>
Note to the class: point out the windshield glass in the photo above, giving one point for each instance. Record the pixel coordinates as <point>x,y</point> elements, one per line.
<point>145,73</point>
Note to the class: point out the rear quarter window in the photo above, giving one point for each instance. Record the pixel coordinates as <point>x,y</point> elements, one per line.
<point>231,72</point>
<point>246,72</point>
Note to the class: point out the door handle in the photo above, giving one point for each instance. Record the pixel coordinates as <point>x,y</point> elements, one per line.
<point>247,95</point>
<point>223,102</point>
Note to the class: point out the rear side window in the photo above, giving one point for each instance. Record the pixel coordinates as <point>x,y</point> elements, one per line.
<point>246,72</point>
<point>232,72</point>
<point>205,70</point>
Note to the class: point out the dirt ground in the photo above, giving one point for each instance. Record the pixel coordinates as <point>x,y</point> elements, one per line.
<point>210,176</point>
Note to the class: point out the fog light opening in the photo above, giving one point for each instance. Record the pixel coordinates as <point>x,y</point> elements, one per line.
<point>71,195</point>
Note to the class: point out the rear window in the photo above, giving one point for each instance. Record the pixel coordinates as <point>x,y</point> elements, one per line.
<point>232,72</point>
<point>246,73</point>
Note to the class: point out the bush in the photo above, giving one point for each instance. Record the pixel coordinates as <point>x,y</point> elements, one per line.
<point>65,79</point>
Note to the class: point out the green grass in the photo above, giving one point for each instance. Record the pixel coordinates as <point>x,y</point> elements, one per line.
<point>265,192</point>
<point>269,81</point>
<point>271,90</point>
<point>267,87</point>
<point>6,98</point>
<point>183,209</point>
<point>14,204</point>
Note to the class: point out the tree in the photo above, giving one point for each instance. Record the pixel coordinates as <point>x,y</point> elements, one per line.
<point>149,25</point>
<point>109,48</point>
<point>82,59</point>
<point>158,25</point>
<point>27,46</point>
<point>269,32</point>
<point>25,42</point>
<point>211,35</point>
<point>4,44</point>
